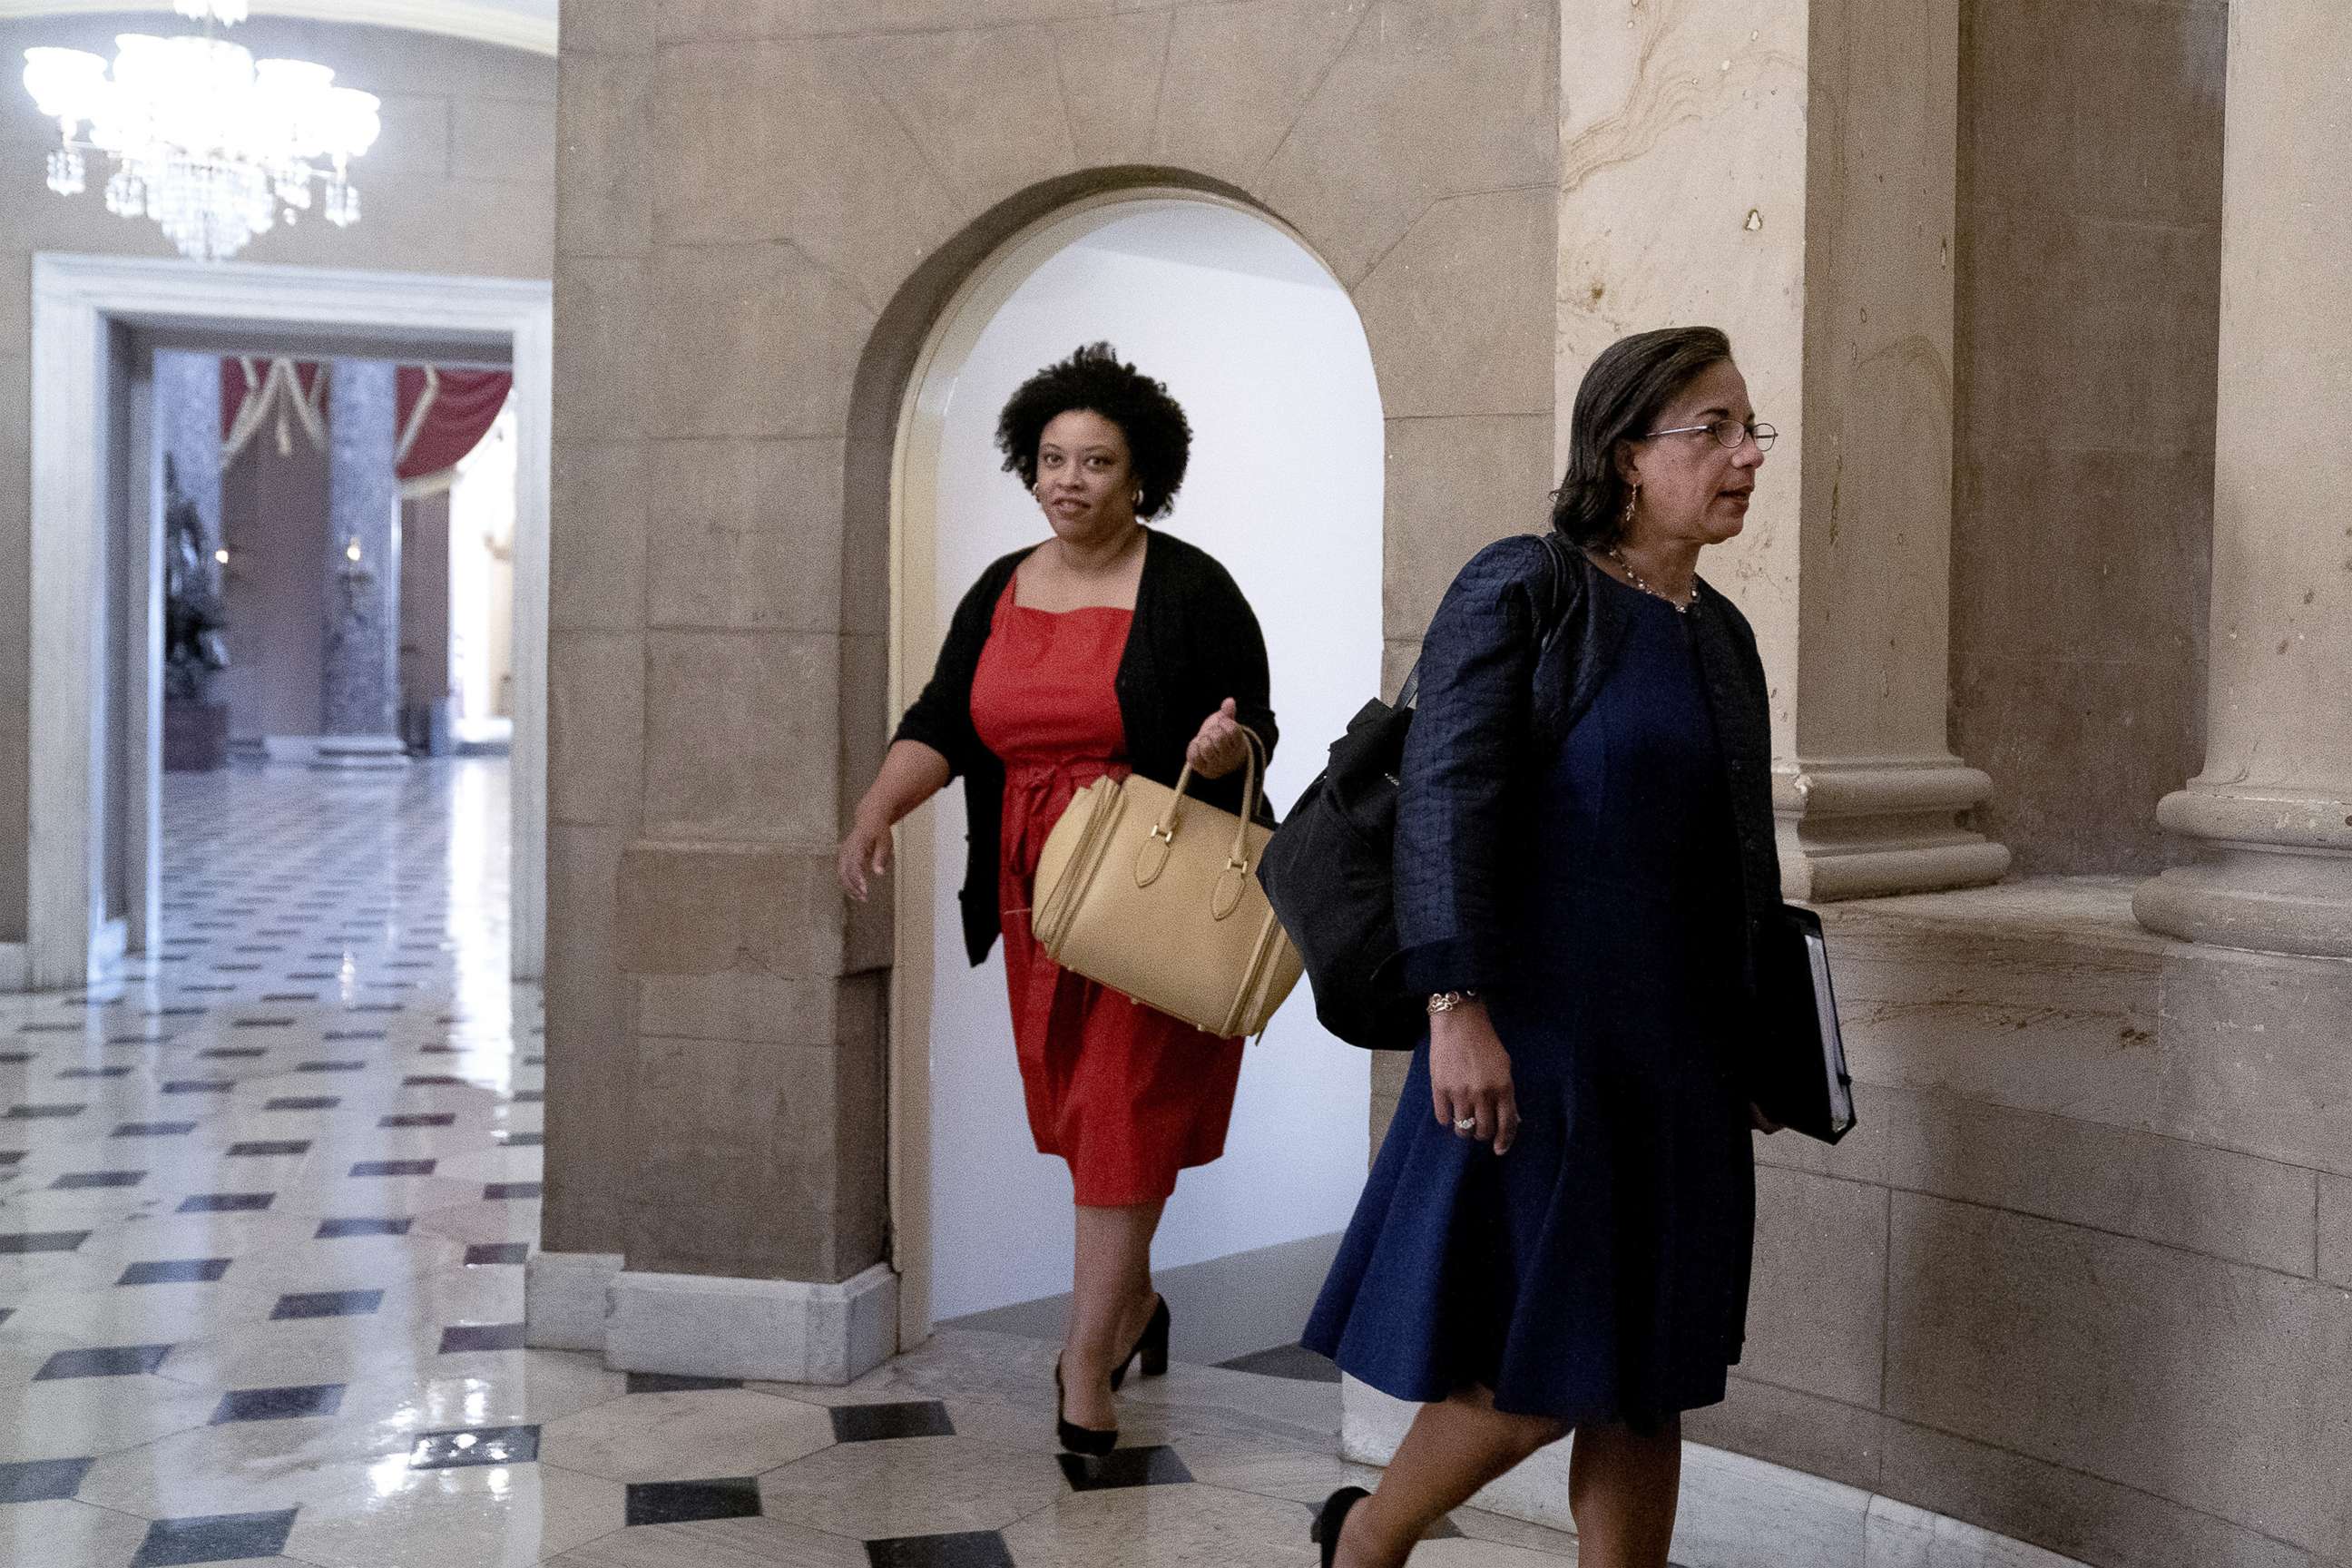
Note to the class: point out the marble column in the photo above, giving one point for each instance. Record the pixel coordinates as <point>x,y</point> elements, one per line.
<point>2271,815</point>
<point>188,427</point>
<point>360,681</point>
<point>1787,170</point>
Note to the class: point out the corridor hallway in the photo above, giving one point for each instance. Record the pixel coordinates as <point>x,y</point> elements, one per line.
<point>264,1206</point>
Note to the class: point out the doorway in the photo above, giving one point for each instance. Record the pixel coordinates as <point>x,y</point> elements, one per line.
<point>94,784</point>
<point>1263,348</point>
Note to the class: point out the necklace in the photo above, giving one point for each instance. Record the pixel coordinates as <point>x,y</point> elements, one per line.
<point>1680,607</point>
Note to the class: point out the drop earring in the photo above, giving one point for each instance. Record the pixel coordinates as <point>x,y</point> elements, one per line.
<point>1633,500</point>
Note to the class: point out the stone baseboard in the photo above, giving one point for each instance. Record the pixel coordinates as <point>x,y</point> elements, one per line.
<point>696,1325</point>
<point>1735,1511</point>
<point>565,1297</point>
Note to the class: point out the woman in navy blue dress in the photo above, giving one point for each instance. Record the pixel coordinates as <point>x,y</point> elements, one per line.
<point>1556,1235</point>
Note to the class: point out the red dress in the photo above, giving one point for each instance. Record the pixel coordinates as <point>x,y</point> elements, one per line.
<point>1127,1095</point>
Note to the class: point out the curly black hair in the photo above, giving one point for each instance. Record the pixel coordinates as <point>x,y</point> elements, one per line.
<point>1623,394</point>
<point>1159,437</point>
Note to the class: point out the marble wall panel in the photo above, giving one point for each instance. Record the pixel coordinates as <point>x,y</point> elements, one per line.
<point>2060,1508</point>
<point>596,727</point>
<point>749,339</point>
<point>1237,78</point>
<point>1454,487</point>
<point>1816,1315</point>
<point>415,138</point>
<point>752,535</point>
<point>2254,1055</point>
<point>984,104</point>
<point>503,140</point>
<point>705,908</point>
<point>602,339</point>
<point>1112,70</point>
<point>1458,313</point>
<point>739,736</point>
<point>2335,1251</point>
<point>360,685</point>
<point>1385,134</point>
<point>685,20</point>
<point>606,26</point>
<point>602,503</point>
<point>737,1004</point>
<point>16,646</point>
<point>841,175</point>
<point>605,196</point>
<point>1804,1431</point>
<point>2202,1199</point>
<point>2128,1361</point>
<point>591,1152</point>
<point>15,293</point>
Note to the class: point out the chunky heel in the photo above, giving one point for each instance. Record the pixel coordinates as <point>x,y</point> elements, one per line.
<point>1151,1345</point>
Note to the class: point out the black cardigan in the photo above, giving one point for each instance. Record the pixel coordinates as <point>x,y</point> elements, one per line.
<point>1194,642</point>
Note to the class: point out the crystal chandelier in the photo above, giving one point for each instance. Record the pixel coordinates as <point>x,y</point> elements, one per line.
<point>213,145</point>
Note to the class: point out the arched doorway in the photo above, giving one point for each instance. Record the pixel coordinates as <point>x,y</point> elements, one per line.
<point>1267,355</point>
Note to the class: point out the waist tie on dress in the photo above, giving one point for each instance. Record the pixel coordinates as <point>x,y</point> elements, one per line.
<point>1040,792</point>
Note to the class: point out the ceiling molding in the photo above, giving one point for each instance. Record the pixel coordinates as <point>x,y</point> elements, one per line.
<point>482,24</point>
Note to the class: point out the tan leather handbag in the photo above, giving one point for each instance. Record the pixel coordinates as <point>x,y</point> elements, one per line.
<point>1153,893</point>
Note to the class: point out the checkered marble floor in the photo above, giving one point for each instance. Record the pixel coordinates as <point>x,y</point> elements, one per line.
<point>264,1203</point>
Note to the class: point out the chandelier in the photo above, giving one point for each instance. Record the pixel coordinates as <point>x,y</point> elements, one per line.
<point>214,145</point>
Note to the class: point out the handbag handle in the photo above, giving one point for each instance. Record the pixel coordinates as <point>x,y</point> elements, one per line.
<point>1162,835</point>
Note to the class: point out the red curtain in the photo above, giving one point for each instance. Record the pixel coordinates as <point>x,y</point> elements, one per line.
<point>442,413</point>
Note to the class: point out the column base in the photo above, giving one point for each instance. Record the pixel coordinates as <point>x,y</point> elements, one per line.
<point>1872,828</point>
<point>781,1330</point>
<point>565,1299</point>
<point>2277,876</point>
<point>361,753</point>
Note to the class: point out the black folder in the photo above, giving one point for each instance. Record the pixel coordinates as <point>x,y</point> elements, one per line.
<point>1797,1066</point>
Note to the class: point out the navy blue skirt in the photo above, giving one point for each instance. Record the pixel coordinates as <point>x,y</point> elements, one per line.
<point>1599,1271</point>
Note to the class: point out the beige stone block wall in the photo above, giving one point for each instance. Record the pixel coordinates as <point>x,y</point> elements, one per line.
<point>2079,1274</point>
<point>460,181</point>
<point>2091,211</point>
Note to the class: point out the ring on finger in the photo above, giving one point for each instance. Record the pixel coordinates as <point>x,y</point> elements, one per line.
<point>1465,1124</point>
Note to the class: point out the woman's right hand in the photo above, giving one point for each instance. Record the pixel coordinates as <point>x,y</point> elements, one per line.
<point>1470,1076</point>
<point>864,854</point>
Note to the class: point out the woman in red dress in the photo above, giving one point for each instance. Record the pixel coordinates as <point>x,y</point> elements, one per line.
<point>1107,650</point>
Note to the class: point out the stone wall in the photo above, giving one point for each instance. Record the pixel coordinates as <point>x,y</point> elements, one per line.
<point>2089,269</point>
<point>461,181</point>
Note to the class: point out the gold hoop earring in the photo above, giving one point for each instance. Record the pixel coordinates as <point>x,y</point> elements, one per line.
<point>1633,500</point>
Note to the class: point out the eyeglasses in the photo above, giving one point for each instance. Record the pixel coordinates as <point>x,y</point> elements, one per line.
<point>1729,433</point>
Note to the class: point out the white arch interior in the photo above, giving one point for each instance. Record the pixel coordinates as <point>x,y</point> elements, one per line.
<point>1266,354</point>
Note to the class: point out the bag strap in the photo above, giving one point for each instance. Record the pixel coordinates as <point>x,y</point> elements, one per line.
<point>1555,579</point>
<point>1253,788</point>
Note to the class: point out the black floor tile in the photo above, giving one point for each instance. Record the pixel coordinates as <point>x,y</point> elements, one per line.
<point>682,1503</point>
<point>875,1423</point>
<point>331,1067</point>
<point>79,1180</point>
<point>419,1118</point>
<point>497,1191</point>
<point>175,1271</point>
<point>1294,1362</point>
<point>227,1203</point>
<point>278,1404</point>
<point>326,1304</point>
<point>971,1549</point>
<point>43,1112</point>
<point>20,1241</point>
<point>10,1156</point>
<point>333,1229</point>
<point>219,1538</point>
<point>303,1102</point>
<point>481,1445</point>
<point>262,1148</point>
<point>529,1096</point>
<point>261,1023</point>
<point>108,1360</point>
<point>232,1053</point>
<point>41,1480</point>
<point>392,1168</point>
<point>96,1072</point>
<point>199,1086</point>
<point>465,1337</point>
<point>672,1383</point>
<point>152,1129</point>
<point>523,1140</point>
<point>487,1252</point>
<point>430,1080</point>
<point>1157,1465</point>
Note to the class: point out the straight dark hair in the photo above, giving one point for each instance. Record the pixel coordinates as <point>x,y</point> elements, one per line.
<point>1623,393</point>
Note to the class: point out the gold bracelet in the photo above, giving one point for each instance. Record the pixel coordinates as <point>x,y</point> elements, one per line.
<point>1446,1001</point>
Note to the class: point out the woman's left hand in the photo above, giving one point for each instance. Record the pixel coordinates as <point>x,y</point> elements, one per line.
<point>1222,745</point>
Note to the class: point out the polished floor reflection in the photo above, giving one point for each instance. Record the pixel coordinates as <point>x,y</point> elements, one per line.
<point>264,1206</point>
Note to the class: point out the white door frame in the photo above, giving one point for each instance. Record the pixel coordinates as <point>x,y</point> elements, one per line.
<point>915,626</point>
<point>75,301</point>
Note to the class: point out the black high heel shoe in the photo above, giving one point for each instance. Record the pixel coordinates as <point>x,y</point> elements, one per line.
<point>1091,1441</point>
<point>1333,1519</point>
<point>1151,1345</point>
